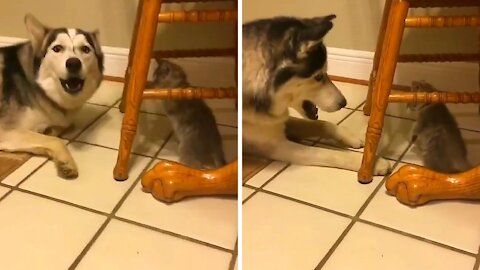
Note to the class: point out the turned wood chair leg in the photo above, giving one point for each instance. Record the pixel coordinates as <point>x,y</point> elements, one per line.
<point>416,185</point>
<point>169,181</point>
<point>137,82</point>
<point>378,54</point>
<point>130,57</point>
<point>382,86</point>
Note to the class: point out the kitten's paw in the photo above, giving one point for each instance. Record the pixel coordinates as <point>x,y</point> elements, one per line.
<point>382,167</point>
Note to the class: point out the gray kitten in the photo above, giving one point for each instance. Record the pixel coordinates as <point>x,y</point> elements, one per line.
<point>199,141</point>
<point>436,135</point>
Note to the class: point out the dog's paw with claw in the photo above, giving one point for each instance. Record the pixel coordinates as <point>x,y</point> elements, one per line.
<point>382,167</point>
<point>67,170</point>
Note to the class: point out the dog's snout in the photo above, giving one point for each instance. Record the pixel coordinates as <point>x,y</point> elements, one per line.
<point>73,65</point>
<point>342,103</point>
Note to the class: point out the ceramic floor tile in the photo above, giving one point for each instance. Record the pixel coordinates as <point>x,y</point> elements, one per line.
<point>467,115</point>
<point>193,217</point>
<point>107,94</point>
<point>437,221</point>
<point>395,136</point>
<point>87,114</point>
<point>152,131</point>
<point>268,172</point>
<point>23,171</point>
<point>95,187</point>
<point>369,248</point>
<point>281,234</point>
<point>354,93</point>
<point>3,191</point>
<point>43,234</point>
<point>331,188</point>
<point>126,246</point>
<point>246,191</point>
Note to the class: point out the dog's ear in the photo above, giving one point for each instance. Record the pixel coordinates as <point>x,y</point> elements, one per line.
<point>312,36</point>
<point>36,31</point>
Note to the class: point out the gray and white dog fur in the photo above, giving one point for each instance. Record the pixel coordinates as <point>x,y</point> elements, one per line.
<point>436,136</point>
<point>44,82</point>
<point>199,141</point>
<point>285,66</point>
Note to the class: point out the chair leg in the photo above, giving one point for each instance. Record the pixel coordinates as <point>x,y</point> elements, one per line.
<point>382,86</point>
<point>130,54</point>
<point>378,54</point>
<point>137,82</point>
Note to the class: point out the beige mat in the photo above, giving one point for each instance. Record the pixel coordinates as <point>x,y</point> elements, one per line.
<point>10,162</point>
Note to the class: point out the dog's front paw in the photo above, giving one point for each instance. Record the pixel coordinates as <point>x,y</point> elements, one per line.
<point>382,167</point>
<point>350,138</point>
<point>67,170</point>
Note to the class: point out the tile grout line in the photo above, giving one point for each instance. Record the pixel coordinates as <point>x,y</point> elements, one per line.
<point>231,265</point>
<point>173,234</point>
<point>477,261</point>
<point>120,203</point>
<point>112,213</point>
<point>416,237</point>
<point>318,207</point>
<point>354,219</point>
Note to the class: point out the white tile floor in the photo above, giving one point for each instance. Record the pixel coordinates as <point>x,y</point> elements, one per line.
<point>94,222</point>
<point>300,217</point>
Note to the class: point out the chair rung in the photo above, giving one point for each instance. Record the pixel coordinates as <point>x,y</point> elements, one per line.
<point>194,53</point>
<point>449,57</point>
<point>443,3</point>
<point>442,21</point>
<point>434,97</point>
<point>190,93</point>
<point>195,1</point>
<point>198,16</point>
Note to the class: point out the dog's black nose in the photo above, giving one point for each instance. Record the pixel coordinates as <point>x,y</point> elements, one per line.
<point>342,103</point>
<point>73,65</point>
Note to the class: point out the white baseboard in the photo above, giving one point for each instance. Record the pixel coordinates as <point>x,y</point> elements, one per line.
<point>341,62</point>
<point>444,76</point>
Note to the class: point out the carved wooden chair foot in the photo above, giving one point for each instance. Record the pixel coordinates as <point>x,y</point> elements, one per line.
<point>416,185</point>
<point>169,181</point>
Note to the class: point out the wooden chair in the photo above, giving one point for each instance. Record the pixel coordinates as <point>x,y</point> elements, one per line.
<point>394,21</point>
<point>141,52</point>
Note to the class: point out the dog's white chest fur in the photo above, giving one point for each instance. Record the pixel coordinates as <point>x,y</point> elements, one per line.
<point>38,120</point>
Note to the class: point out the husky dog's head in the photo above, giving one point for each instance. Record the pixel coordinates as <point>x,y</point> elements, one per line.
<point>68,62</point>
<point>293,52</point>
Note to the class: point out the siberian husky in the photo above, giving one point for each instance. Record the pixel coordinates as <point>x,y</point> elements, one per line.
<point>44,82</point>
<point>284,66</point>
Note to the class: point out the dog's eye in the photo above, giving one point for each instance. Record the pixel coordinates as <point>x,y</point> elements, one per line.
<point>85,49</point>
<point>319,77</point>
<point>57,48</point>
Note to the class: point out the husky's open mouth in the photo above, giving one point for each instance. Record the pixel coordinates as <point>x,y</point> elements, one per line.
<point>72,85</point>
<point>311,111</point>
